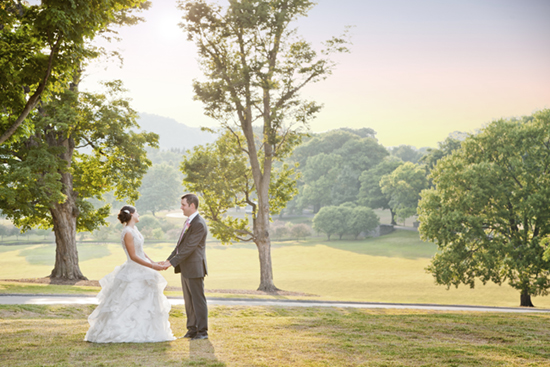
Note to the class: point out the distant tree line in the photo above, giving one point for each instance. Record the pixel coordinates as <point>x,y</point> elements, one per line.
<point>351,166</point>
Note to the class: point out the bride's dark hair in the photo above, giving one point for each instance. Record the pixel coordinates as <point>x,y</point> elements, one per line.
<point>125,213</point>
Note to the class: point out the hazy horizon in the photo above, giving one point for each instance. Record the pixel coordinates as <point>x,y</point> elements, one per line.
<point>417,71</point>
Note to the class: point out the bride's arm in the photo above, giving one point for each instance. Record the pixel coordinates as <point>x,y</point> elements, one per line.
<point>129,243</point>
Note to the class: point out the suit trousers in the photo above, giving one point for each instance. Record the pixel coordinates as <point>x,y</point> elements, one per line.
<point>195,304</point>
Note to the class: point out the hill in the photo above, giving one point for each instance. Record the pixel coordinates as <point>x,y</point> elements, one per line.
<point>173,134</point>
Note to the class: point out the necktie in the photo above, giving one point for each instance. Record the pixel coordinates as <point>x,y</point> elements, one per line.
<point>185,227</point>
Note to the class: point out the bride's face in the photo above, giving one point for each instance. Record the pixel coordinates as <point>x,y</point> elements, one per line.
<point>135,215</point>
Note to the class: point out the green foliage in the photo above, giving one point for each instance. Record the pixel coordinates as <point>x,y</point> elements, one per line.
<point>407,153</point>
<point>325,221</point>
<point>445,148</point>
<point>343,216</point>
<point>172,157</point>
<point>403,187</point>
<point>345,220</point>
<point>43,46</point>
<point>221,173</point>
<point>158,233</point>
<point>148,222</point>
<point>35,173</point>
<point>325,143</point>
<point>488,212</point>
<point>370,194</point>
<point>160,189</point>
<point>362,220</point>
<point>4,231</point>
<point>319,176</point>
<point>101,234</point>
<point>331,172</point>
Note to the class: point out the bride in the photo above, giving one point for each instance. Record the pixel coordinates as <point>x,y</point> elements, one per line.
<point>132,307</point>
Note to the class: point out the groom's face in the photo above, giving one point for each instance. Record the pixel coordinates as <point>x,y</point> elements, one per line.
<point>187,210</point>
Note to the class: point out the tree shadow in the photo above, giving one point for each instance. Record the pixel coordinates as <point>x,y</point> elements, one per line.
<point>400,244</point>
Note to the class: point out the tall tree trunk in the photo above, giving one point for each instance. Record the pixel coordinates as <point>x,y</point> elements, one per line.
<point>525,300</point>
<point>64,219</point>
<point>263,242</point>
<point>66,254</point>
<point>266,268</point>
<point>393,222</point>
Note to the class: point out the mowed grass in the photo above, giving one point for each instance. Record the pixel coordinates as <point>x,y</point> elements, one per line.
<point>384,269</point>
<point>272,336</point>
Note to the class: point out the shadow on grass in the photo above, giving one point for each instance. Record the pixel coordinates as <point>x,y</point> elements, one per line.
<point>385,337</point>
<point>44,254</point>
<point>202,352</point>
<point>400,244</point>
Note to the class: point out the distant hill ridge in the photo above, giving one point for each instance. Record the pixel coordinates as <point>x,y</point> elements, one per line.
<point>173,134</point>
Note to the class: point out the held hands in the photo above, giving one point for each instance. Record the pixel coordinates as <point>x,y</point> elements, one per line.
<point>161,265</point>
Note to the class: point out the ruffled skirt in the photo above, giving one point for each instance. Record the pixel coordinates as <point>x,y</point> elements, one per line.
<point>132,307</point>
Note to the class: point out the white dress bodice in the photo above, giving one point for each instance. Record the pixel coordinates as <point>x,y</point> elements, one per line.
<point>138,243</point>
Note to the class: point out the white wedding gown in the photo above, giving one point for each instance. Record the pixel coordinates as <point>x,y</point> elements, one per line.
<point>132,307</point>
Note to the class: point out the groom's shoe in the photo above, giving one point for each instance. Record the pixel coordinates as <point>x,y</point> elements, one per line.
<point>190,334</point>
<point>200,336</point>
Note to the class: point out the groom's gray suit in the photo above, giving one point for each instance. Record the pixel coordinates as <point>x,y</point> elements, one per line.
<point>189,259</point>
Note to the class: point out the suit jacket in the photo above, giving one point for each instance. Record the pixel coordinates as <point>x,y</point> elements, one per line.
<point>189,256</point>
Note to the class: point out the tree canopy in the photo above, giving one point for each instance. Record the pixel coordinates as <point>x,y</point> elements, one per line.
<point>403,187</point>
<point>370,194</point>
<point>345,219</point>
<point>160,189</point>
<point>488,212</point>
<point>43,46</point>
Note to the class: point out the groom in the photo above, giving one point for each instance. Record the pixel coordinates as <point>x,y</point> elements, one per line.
<point>189,259</point>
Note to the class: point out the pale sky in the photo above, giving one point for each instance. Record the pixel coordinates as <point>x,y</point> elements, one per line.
<point>417,71</point>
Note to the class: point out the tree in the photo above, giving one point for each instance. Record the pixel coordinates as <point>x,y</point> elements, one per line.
<point>45,181</point>
<point>41,48</point>
<point>255,68</point>
<point>358,155</point>
<point>488,212</point>
<point>407,153</point>
<point>14,231</point>
<point>343,217</point>
<point>362,220</point>
<point>445,148</point>
<point>403,187</point>
<point>324,221</point>
<point>4,231</point>
<point>300,230</point>
<point>333,178</point>
<point>160,189</point>
<point>319,176</point>
<point>220,172</point>
<point>325,143</point>
<point>370,194</point>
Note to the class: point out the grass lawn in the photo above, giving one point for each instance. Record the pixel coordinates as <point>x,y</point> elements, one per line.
<point>272,336</point>
<point>384,269</point>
